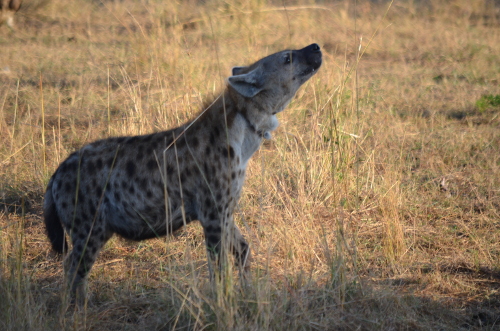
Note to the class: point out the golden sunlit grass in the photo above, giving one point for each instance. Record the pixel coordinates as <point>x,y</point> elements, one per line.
<point>374,207</point>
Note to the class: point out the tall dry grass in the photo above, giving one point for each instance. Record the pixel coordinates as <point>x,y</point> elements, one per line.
<point>374,207</point>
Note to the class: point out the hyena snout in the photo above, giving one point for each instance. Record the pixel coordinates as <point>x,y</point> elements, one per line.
<point>311,56</point>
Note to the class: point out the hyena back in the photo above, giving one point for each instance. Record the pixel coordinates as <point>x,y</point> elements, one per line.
<point>148,186</point>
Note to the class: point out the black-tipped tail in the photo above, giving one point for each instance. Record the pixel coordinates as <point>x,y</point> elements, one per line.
<point>55,231</point>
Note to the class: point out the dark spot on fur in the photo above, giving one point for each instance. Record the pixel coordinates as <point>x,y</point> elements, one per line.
<point>78,247</point>
<point>213,240</point>
<point>212,215</point>
<point>131,189</point>
<point>77,222</point>
<point>91,167</point>
<point>218,197</point>
<point>212,138</point>
<point>68,187</point>
<point>149,194</point>
<point>160,185</point>
<point>117,196</point>
<point>98,191</point>
<point>208,150</point>
<point>151,164</point>
<point>188,195</point>
<point>86,227</point>
<point>120,140</point>
<point>144,184</point>
<point>233,175</point>
<point>194,142</point>
<point>180,142</point>
<point>130,168</point>
<point>81,198</point>
<point>213,228</point>
<point>231,152</point>
<point>140,155</point>
<point>99,164</point>
<point>92,210</point>
<point>208,203</point>
<point>64,205</point>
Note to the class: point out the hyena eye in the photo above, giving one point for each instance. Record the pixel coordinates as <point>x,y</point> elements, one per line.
<point>288,59</point>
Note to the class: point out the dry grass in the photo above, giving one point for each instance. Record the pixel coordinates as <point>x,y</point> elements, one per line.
<point>375,206</point>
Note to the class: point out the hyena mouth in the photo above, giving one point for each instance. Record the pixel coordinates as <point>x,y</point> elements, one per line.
<point>307,72</point>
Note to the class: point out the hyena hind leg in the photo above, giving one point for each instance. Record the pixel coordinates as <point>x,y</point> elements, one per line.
<point>79,262</point>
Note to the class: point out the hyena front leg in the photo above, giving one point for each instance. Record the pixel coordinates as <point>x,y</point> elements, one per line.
<point>233,242</point>
<point>239,248</point>
<point>241,251</point>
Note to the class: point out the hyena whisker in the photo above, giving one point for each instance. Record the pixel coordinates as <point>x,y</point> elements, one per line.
<point>139,187</point>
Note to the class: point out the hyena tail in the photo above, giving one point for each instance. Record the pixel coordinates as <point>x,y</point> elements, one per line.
<point>53,225</point>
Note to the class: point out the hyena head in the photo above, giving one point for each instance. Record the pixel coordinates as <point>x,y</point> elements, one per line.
<point>273,81</point>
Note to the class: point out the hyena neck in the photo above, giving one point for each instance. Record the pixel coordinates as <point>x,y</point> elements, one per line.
<point>258,116</point>
<point>253,129</point>
<point>245,123</point>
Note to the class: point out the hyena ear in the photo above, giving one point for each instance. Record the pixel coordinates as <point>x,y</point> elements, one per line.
<point>249,84</point>
<point>238,70</point>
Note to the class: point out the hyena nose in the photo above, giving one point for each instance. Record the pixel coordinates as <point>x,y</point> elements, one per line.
<point>315,48</point>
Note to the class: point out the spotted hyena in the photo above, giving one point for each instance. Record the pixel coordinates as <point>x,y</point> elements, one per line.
<point>7,10</point>
<point>148,186</point>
